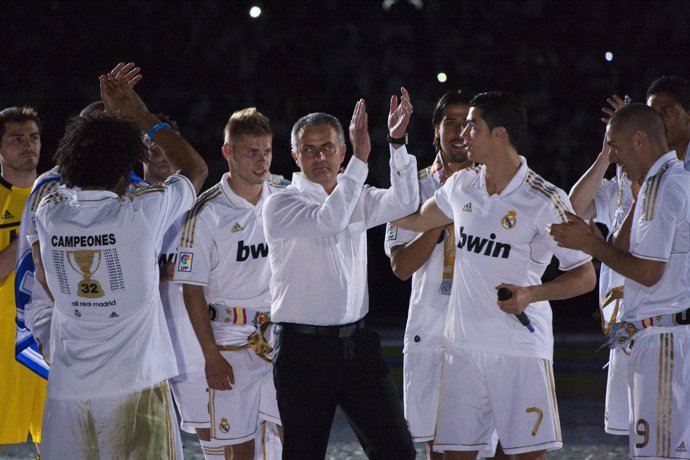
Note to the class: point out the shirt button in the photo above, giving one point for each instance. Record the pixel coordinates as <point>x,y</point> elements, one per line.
<point>417,338</point>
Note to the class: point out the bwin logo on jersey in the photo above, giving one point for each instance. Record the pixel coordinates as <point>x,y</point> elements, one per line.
<point>255,250</point>
<point>480,245</point>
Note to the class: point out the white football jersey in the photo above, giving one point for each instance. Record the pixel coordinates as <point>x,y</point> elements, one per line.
<point>426,316</point>
<point>661,232</point>
<point>612,200</point>
<point>502,238</point>
<point>223,248</point>
<point>187,348</point>
<point>99,251</point>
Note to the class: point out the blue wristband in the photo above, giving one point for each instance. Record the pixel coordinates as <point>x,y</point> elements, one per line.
<point>155,128</point>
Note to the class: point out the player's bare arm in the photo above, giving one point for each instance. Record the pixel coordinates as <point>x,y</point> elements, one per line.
<point>429,216</point>
<point>575,233</point>
<point>219,373</point>
<point>585,189</point>
<point>409,257</point>
<point>572,283</point>
<point>119,96</point>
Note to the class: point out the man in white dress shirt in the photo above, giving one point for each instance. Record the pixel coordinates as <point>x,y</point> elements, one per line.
<point>325,356</point>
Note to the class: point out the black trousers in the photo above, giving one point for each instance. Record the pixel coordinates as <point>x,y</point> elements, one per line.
<point>314,374</point>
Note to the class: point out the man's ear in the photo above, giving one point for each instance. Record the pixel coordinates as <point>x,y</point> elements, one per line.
<point>226,151</point>
<point>296,158</point>
<point>501,134</point>
<point>638,137</point>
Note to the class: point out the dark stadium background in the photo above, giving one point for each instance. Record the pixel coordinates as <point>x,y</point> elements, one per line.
<point>201,60</point>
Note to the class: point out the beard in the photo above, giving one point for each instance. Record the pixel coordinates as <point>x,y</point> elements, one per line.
<point>457,157</point>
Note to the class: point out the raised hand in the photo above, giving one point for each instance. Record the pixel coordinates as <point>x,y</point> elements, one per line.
<point>359,132</point>
<point>399,114</point>
<point>117,92</point>
<point>606,150</point>
<point>130,72</point>
<point>616,103</point>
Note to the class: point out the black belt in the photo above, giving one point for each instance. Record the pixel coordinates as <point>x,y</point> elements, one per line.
<point>340,331</point>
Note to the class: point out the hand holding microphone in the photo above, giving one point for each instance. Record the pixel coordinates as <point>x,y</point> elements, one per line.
<point>505,294</point>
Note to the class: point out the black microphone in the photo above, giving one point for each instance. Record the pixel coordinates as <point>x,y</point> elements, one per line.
<point>505,294</point>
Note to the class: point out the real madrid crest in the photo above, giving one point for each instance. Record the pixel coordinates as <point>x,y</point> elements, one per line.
<point>224,425</point>
<point>509,220</point>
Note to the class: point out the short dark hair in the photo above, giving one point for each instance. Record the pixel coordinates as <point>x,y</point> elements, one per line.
<point>502,109</point>
<point>452,97</point>
<point>677,87</point>
<point>316,119</point>
<point>98,150</point>
<point>247,121</point>
<point>18,115</point>
<point>640,117</point>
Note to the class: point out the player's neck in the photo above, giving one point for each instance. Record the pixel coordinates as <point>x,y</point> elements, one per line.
<point>500,172</point>
<point>250,192</point>
<point>153,180</point>
<point>19,178</point>
<point>681,149</point>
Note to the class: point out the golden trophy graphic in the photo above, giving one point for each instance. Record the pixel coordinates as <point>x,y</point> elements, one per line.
<point>84,261</point>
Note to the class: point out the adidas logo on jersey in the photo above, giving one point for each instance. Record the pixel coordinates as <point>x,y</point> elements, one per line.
<point>237,228</point>
<point>114,315</point>
<point>7,215</point>
<point>681,447</point>
<point>467,207</point>
<point>479,245</point>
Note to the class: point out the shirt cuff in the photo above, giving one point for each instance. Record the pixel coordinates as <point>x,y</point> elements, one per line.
<point>400,156</point>
<point>357,170</point>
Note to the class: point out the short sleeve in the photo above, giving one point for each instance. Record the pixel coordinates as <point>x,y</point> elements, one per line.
<point>657,229</point>
<point>194,249</point>
<point>444,195</point>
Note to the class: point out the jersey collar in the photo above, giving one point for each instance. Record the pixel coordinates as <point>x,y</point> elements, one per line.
<point>661,161</point>
<point>237,200</point>
<point>514,183</point>
<point>77,194</point>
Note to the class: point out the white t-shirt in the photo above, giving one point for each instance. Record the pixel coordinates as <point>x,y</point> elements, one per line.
<point>661,232</point>
<point>502,238</point>
<point>222,247</point>
<point>426,316</point>
<point>99,251</point>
